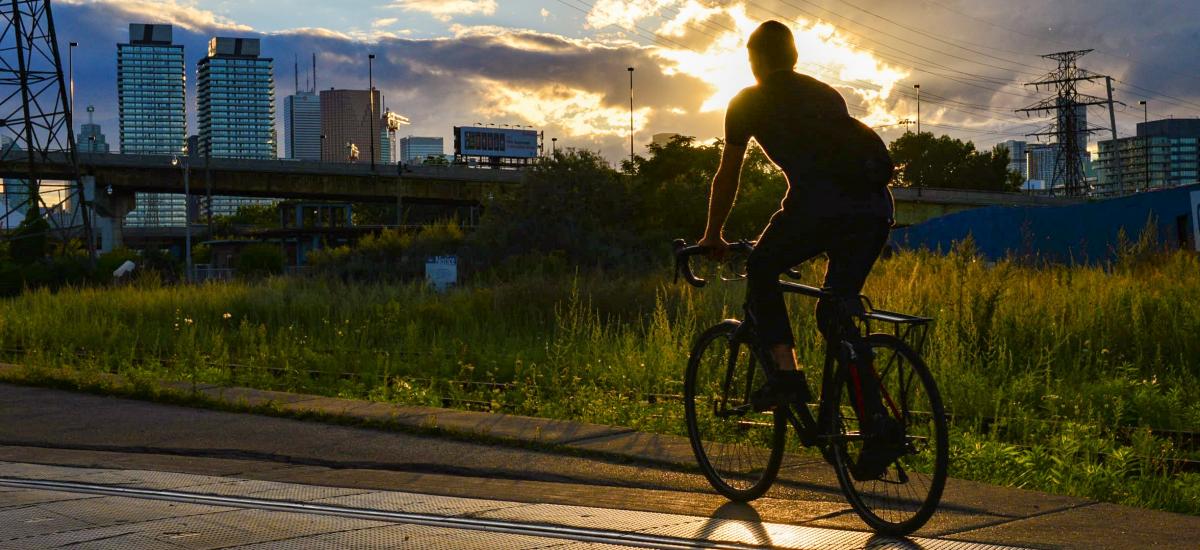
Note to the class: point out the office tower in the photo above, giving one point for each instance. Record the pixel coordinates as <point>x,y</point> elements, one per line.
<point>1165,153</point>
<point>346,124</point>
<point>1016,158</point>
<point>302,126</point>
<point>235,90</point>
<point>90,138</point>
<point>151,88</point>
<point>415,149</point>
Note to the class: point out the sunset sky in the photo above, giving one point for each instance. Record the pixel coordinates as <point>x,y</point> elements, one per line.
<point>561,65</point>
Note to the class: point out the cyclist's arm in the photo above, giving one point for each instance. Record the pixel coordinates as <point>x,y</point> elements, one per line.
<point>724,190</point>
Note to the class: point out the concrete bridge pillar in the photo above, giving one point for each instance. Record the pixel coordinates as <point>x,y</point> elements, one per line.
<point>110,211</point>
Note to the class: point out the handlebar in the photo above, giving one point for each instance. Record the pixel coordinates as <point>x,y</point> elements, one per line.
<point>684,253</point>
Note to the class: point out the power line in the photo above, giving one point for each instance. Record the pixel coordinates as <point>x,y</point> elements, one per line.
<point>935,37</point>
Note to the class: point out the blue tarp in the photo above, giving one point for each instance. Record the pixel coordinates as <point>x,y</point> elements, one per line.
<point>1084,233</point>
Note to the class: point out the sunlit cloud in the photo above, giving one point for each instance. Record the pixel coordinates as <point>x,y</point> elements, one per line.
<point>720,58</point>
<point>691,13</point>
<point>183,13</point>
<point>384,22</point>
<point>578,112</point>
<point>444,10</point>
<point>624,13</point>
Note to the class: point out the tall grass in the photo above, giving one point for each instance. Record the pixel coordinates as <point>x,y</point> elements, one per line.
<point>1059,378</point>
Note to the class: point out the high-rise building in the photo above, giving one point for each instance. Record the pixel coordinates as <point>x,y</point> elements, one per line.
<point>1165,153</point>
<point>415,149</point>
<point>1042,163</point>
<point>236,108</point>
<point>151,88</point>
<point>302,126</point>
<point>346,124</point>
<point>1016,157</point>
<point>236,103</point>
<point>90,138</point>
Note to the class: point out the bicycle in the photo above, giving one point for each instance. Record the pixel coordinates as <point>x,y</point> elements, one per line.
<point>740,450</point>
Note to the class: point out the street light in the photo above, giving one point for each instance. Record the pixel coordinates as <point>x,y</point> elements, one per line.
<point>918,88</point>
<point>71,63</point>
<point>187,216</point>
<point>371,100</point>
<point>1145,111</point>
<point>553,146</point>
<point>630,69</point>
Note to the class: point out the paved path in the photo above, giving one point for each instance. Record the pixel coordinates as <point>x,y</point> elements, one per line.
<point>567,464</point>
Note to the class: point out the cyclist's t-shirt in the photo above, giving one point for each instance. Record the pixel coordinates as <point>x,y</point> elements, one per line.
<point>786,113</point>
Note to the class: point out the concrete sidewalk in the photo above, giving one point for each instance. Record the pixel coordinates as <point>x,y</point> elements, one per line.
<point>807,492</point>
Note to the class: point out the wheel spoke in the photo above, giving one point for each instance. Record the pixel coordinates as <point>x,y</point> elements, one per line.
<point>903,497</point>
<point>738,449</point>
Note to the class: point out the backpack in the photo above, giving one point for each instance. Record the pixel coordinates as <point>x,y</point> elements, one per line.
<point>856,156</point>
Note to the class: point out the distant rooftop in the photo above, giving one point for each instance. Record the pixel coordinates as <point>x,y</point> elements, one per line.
<point>234,47</point>
<point>141,33</point>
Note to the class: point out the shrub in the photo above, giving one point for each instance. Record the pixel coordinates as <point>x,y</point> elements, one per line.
<point>260,260</point>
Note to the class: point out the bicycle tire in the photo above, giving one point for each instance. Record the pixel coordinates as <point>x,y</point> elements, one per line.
<point>738,450</point>
<point>902,499</point>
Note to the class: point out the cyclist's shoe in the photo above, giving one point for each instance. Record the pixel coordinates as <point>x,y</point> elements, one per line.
<point>783,387</point>
<point>884,443</point>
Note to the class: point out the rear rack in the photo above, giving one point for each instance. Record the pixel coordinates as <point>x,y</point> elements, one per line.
<point>912,329</point>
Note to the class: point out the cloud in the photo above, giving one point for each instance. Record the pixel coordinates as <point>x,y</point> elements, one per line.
<point>576,88</point>
<point>444,10</point>
<point>182,13</point>
<point>545,13</point>
<point>384,22</point>
<point>623,13</point>
<point>580,113</point>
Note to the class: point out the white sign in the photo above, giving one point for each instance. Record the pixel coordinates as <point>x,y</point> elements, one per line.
<point>1196,219</point>
<point>442,272</point>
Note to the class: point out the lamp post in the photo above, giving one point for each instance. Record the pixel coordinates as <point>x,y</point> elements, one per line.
<point>1145,111</point>
<point>917,87</point>
<point>371,100</point>
<point>71,64</point>
<point>553,146</point>
<point>187,216</point>
<point>630,69</point>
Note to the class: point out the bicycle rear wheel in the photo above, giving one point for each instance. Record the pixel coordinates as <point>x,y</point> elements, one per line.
<point>905,496</point>
<point>739,450</point>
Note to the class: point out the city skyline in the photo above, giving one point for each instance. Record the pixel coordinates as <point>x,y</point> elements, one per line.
<point>521,64</point>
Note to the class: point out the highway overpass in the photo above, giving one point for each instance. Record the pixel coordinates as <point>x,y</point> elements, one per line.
<point>122,175</point>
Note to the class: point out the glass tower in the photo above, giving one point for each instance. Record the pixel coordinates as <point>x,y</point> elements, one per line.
<point>236,108</point>
<point>151,97</point>
<point>415,149</point>
<point>302,126</point>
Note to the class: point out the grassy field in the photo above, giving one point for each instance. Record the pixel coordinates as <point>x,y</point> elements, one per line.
<point>1064,379</point>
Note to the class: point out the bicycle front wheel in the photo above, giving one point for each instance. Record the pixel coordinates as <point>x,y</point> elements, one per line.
<point>902,498</point>
<point>738,450</point>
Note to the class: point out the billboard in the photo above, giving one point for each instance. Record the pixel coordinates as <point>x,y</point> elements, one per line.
<point>472,141</point>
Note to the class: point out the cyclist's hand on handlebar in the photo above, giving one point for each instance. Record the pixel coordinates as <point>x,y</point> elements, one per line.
<point>717,248</point>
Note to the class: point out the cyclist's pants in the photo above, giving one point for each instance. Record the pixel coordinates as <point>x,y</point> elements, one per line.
<point>852,245</point>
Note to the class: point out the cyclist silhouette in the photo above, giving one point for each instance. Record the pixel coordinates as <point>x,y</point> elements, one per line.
<point>837,201</point>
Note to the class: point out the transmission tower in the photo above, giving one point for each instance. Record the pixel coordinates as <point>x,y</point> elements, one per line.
<point>1070,128</point>
<point>35,124</point>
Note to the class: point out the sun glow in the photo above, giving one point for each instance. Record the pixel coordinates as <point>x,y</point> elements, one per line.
<point>824,53</point>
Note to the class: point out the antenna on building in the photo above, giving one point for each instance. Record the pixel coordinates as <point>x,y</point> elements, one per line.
<point>314,74</point>
<point>296,71</point>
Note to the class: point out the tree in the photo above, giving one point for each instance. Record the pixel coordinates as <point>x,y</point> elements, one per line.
<point>573,205</point>
<point>672,186</point>
<point>928,161</point>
